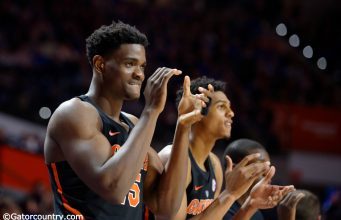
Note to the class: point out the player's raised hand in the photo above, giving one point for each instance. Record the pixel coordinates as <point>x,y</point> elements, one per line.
<point>190,106</point>
<point>155,92</point>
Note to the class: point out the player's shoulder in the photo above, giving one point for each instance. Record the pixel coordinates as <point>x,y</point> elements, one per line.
<point>131,117</point>
<point>74,107</point>
<point>215,160</point>
<point>218,171</point>
<point>74,112</point>
<point>213,156</point>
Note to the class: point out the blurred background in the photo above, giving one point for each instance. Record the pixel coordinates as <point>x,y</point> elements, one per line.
<point>280,59</point>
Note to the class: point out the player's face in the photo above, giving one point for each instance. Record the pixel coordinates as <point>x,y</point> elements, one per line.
<point>125,71</point>
<point>219,117</point>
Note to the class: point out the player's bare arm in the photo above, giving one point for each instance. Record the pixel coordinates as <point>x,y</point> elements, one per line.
<point>238,180</point>
<point>75,129</point>
<point>164,155</point>
<point>165,197</point>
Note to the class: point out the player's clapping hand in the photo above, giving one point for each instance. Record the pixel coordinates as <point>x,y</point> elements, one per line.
<point>242,176</point>
<point>264,195</point>
<point>286,209</point>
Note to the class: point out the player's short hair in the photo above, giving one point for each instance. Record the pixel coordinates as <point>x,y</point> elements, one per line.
<point>240,148</point>
<point>308,208</point>
<point>108,38</point>
<point>202,82</point>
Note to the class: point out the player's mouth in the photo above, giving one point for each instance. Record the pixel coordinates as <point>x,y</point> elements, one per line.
<point>228,123</point>
<point>135,83</point>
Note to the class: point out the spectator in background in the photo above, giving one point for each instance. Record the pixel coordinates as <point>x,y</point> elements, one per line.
<point>333,205</point>
<point>3,137</point>
<point>8,205</point>
<point>233,41</point>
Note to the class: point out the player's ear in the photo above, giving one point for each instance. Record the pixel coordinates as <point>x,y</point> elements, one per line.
<point>98,63</point>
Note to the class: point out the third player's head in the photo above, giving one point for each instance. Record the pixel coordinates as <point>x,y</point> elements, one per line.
<point>117,56</point>
<point>217,123</point>
<point>241,148</point>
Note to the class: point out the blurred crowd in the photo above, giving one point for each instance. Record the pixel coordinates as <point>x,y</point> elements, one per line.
<point>43,62</point>
<point>29,142</point>
<point>37,201</point>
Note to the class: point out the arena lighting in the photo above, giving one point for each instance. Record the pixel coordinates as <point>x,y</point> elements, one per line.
<point>281,29</point>
<point>308,52</point>
<point>45,112</point>
<point>294,40</point>
<point>322,63</point>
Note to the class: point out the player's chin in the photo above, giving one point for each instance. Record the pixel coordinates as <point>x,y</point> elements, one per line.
<point>132,91</point>
<point>133,95</point>
<point>227,133</point>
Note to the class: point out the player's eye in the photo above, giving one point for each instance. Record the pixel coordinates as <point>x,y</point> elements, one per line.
<point>129,64</point>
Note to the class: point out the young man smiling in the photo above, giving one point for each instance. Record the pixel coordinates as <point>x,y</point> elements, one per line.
<point>204,198</point>
<point>99,158</point>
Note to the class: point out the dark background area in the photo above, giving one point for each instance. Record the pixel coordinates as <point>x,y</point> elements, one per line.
<point>43,61</point>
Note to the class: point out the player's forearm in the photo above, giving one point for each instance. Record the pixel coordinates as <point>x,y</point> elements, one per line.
<point>246,211</point>
<point>218,208</point>
<point>172,184</point>
<point>125,165</point>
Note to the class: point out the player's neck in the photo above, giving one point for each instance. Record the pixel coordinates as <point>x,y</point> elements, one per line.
<point>111,106</point>
<point>201,146</point>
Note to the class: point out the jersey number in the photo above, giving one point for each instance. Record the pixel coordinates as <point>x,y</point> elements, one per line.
<point>134,193</point>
